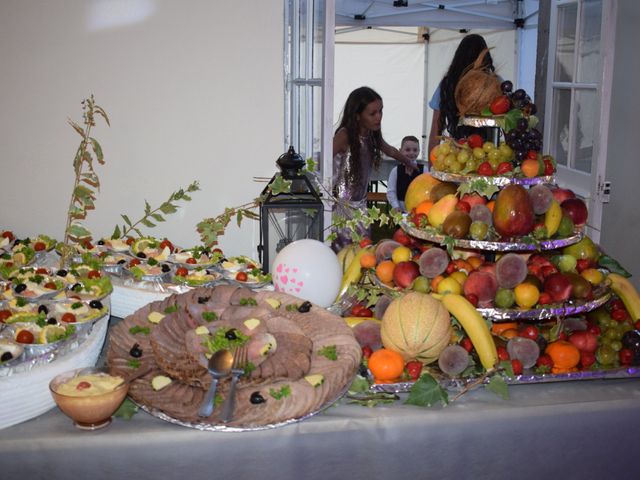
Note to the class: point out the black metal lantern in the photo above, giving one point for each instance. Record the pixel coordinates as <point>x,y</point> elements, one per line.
<point>291,216</point>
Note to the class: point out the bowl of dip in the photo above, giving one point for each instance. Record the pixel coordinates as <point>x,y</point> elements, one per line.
<point>89,396</point>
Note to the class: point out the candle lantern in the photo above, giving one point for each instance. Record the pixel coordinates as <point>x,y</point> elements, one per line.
<point>287,217</point>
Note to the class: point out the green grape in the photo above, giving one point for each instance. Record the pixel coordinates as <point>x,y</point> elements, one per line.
<point>605,355</point>
<point>505,298</point>
<point>449,159</point>
<point>478,153</point>
<point>494,155</point>
<point>478,230</point>
<point>494,162</point>
<point>488,146</point>
<point>463,156</point>
<point>616,345</point>
<point>506,152</point>
<point>444,148</point>
<point>455,167</point>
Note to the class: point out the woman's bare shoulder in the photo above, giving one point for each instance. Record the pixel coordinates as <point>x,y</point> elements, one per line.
<point>340,141</point>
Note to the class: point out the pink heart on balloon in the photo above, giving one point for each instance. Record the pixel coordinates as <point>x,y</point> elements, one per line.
<point>279,268</point>
<point>287,270</point>
<point>298,290</point>
<point>284,279</point>
<point>295,270</point>
<point>300,283</point>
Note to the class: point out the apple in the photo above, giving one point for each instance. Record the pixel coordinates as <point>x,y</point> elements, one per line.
<point>562,194</point>
<point>576,209</point>
<point>473,199</point>
<point>585,341</point>
<point>402,238</point>
<point>558,286</point>
<point>405,273</point>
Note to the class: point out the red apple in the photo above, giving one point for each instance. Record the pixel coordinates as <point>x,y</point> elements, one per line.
<point>562,194</point>
<point>405,273</point>
<point>473,199</point>
<point>576,210</point>
<point>585,341</point>
<point>482,285</point>
<point>558,286</point>
<point>402,238</point>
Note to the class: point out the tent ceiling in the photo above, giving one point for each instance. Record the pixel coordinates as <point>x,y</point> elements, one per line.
<point>452,14</point>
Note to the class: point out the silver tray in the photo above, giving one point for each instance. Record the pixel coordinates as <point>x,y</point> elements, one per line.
<point>480,121</point>
<point>498,181</point>
<point>216,427</point>
<point>491,245</point>
<point>526,378</point>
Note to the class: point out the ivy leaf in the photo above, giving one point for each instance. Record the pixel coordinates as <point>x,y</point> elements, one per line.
<point>498,386</point>
<point>78,231</point>
<point>126,410</point>
<point>280,185</point>
<point>612,265</point>
<point>426,392</point>
<point>359,385</point>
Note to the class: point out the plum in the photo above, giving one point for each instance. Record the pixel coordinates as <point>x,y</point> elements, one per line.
<point>483,285</point>
<point>511,269</point>
<point>433,262</point>
<point>523,349</point>
<point>541,198</point>
<point>367,333</point>
<point>481,213</point>
<point>453,360</point>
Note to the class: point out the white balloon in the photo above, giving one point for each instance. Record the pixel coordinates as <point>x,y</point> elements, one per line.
<point>308,269</point>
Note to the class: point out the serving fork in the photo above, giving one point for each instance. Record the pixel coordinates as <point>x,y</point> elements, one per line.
<point>240,360</point>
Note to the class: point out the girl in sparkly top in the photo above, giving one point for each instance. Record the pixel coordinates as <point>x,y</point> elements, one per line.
<point>357,149</point>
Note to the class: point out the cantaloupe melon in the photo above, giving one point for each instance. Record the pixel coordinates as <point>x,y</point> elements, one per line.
<point>417,326</point>
<point>419,190</point>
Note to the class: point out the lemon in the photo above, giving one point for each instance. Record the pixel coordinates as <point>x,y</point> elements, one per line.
<point>401,254</point>
<point>51,334</point>
<point>449,285</point>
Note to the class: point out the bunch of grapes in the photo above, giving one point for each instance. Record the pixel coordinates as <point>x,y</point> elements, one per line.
<point>522,139</point>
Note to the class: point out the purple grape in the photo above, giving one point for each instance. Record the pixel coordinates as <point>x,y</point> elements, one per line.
<point>506,86</point>
<point>519,94</point>
<point>522,124</point>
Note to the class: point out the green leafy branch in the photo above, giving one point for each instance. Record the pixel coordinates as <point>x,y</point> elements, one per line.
<point>167,208</point>
<point>86,183</point>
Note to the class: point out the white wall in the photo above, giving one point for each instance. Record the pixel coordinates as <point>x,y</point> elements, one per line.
<point>193,89</point>
<point>621,216</point>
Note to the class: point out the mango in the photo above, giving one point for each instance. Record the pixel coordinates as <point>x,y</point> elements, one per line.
<point>513,212</point>
<point>419,190</point>
<point>584,249</point>
<point>441,210</point>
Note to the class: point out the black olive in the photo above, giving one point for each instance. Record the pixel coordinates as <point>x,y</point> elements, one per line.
<point>362,371</point>
<point>21,287</point>
<point>305,307</point>
<point>136,351</point>
<point>62,273</point>
<point>43,309</point>
<point>141,255</point>
<point>97,304</point>
<point>100,242</point>
<point>203,300</point>
<point>257,398</point>
<point>122,262</point>
<point>52,321</point>
<point>6,356</point>
<point>165,268</point>
<point>231,334</point>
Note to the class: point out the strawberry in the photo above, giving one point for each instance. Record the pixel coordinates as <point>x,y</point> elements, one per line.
<point>474,140</point>
<point>466,344</point>
<point>516,366</point>
<point>503,354</point>
<point>485,169</point>
<point>504,167</point>
<point>413,369</point>
<point>500,105</point>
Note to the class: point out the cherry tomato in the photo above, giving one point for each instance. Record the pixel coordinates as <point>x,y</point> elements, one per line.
<point>251,266</point>
<point>42,271</point>
<point>242,276</point>
<point>191,261</point>
<point>529,331</point>
<point>134,262</point>
<point>503,354</point>
<point>365,242</point>
<point>516,365</point>
<point>413,369</point>
<point>68,317</point>
<point>83,386</point>
<point>366,312</point>
<point>216,250</point>
<point>166,243</point>
<point>50,286</point>
<point>25,336</point>
<point>130,241</point>
<point>466,344</point>
<point>39,246</point>
<point>4,314</point>
<point>8,234</point>
<point>182,272</point>
<point>94,274</point>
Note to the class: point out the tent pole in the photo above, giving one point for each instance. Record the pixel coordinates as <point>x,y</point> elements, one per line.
<point>425,100</point>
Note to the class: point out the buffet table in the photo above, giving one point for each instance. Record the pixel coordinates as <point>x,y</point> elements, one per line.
<point>581,430</point>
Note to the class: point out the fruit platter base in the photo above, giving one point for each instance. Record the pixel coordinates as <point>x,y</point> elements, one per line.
<point>25,394</point>
<point>524,379</point>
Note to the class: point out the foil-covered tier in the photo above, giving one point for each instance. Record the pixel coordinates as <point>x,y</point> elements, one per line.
<point>528,377</point>
<point>498,181</point>
<point>480,121</point>
<point>496,246</point>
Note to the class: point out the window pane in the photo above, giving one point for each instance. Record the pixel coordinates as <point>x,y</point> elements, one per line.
<point>559,141</point>
<point>567,16</point>
<point>589,60</point>
<point>586,110</point>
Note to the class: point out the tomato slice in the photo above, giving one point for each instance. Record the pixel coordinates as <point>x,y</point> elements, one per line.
<point>182,272</point>
<point>68,318</point>
<point>50,286</point>
<point>25,336</point>
<point>39,246</point>
<point>191,261</point>
<point>94,274</point>
<point>242,276</point>
<point>4,314</point>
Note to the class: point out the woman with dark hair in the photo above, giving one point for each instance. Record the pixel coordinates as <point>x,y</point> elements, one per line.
<point>443,102</point>
<point>357,148</point>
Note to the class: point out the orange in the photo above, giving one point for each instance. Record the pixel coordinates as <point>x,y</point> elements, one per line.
<point>565,356</point>
<point>435,282</point>
<point>384,271</point>
<point>509,333</point>
<point>498,328</point>
<point>368,260</point>
<point>491,204</point>
<point>385,365</point>
<point>433,154</point>
<point>463,265</point>
<point>530,168</point>
<point>424,207</point>
<point>526,294</point>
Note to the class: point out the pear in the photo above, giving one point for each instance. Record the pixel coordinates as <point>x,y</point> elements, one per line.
<point>441,210</point>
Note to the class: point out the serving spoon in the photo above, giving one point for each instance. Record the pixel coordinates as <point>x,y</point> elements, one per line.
<point>219,366</point>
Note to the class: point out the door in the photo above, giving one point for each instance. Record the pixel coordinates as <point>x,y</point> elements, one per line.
<point>579,76</point>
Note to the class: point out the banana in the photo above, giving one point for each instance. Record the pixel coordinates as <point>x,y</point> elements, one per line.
<point>353,273</point>
<point>624,289</point>
<point>353,321</point>
<point>475,327</point>
<point>346,255</point>
<point>552,218</point>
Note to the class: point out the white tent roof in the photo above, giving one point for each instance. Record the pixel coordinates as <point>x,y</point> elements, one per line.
<point>453,14</point>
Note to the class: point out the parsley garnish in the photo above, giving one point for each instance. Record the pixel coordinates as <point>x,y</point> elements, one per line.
<point>133,363</point>
<point>285,391</point>
<point>76,305</point>
<point>139,329</point>
<point>209,316</point>
<point>292,307</point>
<point>329,351</point>
<point>20,302</point>
<point>171,309</point>
<point>248,301</point>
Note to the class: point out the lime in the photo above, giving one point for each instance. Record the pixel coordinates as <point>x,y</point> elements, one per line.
<point>566,227</point>
<point>505,298</point>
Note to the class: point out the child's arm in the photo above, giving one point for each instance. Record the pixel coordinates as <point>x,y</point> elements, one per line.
<point>409,165</point>
<point>392,191</point>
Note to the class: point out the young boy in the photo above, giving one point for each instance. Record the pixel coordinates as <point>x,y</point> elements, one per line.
<point>399,180</point>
